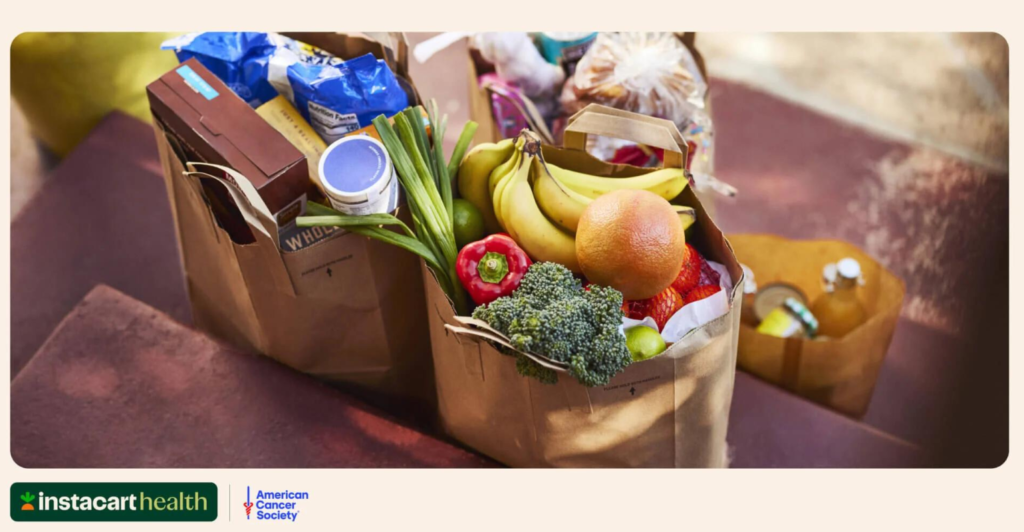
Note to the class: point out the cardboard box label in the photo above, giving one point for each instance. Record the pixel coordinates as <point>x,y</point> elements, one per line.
<point>197,83</point>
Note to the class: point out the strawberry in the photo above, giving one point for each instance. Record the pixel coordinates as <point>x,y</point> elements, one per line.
<point>689,274</point>
<point>701,292</point>
<point>663,306</point>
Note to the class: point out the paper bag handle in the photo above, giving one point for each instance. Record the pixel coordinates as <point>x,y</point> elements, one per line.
<point>255,213</point>
<point>606,121</point>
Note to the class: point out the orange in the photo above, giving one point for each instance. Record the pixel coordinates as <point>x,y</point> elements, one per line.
<point>631,240</point>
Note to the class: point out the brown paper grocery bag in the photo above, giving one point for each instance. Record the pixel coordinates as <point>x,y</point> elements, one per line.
<point>346,309</point>
<point>669,411</point>
<point>838,373</point>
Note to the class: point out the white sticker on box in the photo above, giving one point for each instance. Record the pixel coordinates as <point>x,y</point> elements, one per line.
<point>331,125</point>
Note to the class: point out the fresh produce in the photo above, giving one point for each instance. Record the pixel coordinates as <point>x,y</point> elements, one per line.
<point>540,205</point>
<point>644,342</point>
<point>564,205</point>
<point>491,268</point>
<point>467,222</point>
<point>474,175</point>
<point>560,204</point>
<point>518,213</point>
<point>667,182</point>
<point>630,240</point>
<point>701,292</point>
<point>551,315</point>
<point>687,215</point>
<point>635,310</point>
<point>426,179</point>
<point>663,306</point>
<point>689,273</point>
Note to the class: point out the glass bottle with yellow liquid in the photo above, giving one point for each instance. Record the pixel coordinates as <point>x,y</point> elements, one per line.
<point>839,310</point>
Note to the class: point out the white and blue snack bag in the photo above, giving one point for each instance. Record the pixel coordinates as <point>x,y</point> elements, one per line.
<point>335,96</point>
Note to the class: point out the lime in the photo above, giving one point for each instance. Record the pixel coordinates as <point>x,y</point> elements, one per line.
<point>644,342</point>
<point>467,222</point>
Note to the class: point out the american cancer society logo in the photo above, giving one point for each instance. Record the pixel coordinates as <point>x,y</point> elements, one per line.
<point>263,505</point>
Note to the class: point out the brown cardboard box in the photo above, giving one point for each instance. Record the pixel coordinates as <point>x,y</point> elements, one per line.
<point>212,124</point>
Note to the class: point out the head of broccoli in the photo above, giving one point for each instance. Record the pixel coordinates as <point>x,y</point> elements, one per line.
<point>550,314</point>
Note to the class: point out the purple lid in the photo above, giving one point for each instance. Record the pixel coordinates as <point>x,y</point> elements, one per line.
<point>354,164</point>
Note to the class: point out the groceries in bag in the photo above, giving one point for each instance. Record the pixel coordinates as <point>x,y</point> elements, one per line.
<point>550,282</point>
<point>335,96</point>
<point>781,309</point>
<point>424,174</point>
<point>657,74</point>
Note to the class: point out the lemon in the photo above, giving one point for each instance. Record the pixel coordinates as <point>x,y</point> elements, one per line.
<point>644,342</point>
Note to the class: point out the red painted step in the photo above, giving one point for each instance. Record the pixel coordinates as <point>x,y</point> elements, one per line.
<point>119,384</point>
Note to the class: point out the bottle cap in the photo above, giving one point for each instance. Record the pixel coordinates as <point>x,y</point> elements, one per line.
<point>358,176</point>
<point>749,284</point>
<point>829,273</point>
<point>804,314</point>
<point>848,268</point>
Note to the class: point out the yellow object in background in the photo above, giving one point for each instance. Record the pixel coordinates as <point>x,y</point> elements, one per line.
<point>65,83</point>
<point>283,117</point>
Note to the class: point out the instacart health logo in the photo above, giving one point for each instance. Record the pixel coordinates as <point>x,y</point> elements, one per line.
<point>113,501</point>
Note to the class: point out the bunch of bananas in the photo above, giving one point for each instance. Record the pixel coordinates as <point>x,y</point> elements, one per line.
<point>540,204</point>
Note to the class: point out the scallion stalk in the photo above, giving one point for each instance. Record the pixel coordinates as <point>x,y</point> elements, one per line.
<point>425,176</point>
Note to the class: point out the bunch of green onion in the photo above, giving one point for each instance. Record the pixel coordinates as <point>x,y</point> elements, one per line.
<point>427,181</point>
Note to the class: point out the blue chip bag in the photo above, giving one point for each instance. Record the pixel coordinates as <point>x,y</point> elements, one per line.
<point>335,96</point>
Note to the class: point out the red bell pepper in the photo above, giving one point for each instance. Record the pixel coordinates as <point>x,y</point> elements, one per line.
<point>491,268</point>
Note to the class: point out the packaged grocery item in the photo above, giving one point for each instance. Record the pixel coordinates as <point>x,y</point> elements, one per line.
<point>839,308</point>
<point>517,60</point>
<point>792,319</point>
<point>512,110</point>
<point>647,73</point>
<point>371,130</point>
<point>209,123</point>
<point>283,117</point>
<point>358,176</point>
<point>338,99</point>
<point>335,96</point>
<point>240,59</point>
<point>773,295</point>
<point>565,48</point>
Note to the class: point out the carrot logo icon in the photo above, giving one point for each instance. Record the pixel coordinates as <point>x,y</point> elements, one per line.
<point>28,498</point>
<point>247,504</point>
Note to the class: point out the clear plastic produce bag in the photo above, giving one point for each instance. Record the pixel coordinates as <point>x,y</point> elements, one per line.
<point>648,73</point>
